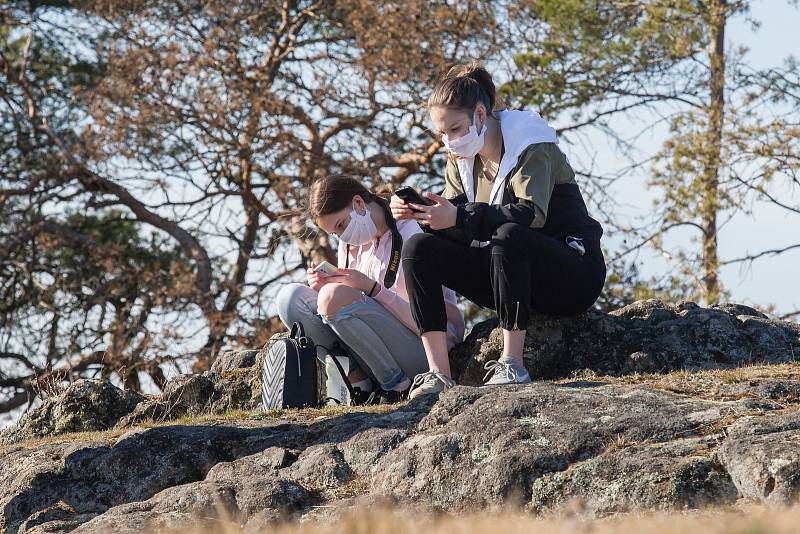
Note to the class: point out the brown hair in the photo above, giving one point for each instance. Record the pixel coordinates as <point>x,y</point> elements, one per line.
<point>333,193</point>
<point>463,87</point>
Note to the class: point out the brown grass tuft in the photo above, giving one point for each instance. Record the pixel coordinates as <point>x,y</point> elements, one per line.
<point>739,520</point>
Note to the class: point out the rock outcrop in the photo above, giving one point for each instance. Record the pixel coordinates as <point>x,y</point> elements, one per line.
<point>85,405</point>
<point>233,383</point>
<point>645,337</point>
<point>612,446</point>
<point>613,443</point>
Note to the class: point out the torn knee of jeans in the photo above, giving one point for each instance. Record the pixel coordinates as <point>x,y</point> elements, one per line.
<point>344,312</point>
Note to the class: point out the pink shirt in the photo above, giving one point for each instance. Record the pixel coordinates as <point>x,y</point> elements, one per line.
<point>372,260</point>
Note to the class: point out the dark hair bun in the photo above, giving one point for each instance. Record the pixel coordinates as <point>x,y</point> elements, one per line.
<point>477,72</point>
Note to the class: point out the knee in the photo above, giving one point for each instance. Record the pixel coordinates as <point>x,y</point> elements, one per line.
<point>334,297</point>
<point>509,232</point>
<point>418,246</point>
<point>288,300</point>
<point>509,236</point>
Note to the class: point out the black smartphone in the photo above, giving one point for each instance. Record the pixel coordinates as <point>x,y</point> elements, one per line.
<point>410,196</point>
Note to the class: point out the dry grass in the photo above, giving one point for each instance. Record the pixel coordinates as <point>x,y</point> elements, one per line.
<point>702,384</point>
<point>308,414</point>
<point>749,520</point>
<point>302,415</point>
<point>107,436</point>
<point>620,442</point>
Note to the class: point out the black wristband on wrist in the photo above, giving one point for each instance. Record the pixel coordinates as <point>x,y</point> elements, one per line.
<point>373,288</point>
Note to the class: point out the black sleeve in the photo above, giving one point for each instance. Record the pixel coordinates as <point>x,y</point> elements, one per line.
<point>479,220</point>
<point>453,233</point>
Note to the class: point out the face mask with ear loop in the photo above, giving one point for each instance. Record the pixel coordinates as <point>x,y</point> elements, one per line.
<point>469,144</point>
<point>361,228</point>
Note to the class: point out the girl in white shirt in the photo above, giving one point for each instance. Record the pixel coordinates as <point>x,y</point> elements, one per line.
<point>365,304</point>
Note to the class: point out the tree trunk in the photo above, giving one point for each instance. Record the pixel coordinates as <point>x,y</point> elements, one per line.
<point>709,205</point>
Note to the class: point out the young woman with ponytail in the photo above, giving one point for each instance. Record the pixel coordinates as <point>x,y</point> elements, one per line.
<point>365,304</point>
<point>510,232</point>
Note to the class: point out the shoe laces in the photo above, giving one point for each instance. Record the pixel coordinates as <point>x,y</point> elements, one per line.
<point>431,376</point>
<point>496,368</point>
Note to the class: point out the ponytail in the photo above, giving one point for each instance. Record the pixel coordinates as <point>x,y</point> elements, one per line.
<point>464,87</point>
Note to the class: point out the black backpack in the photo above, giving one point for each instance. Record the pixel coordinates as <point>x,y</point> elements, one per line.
<point>289,372</point>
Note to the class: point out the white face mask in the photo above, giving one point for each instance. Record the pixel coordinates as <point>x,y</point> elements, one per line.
<point>361,229</point>
<point>469,144</point>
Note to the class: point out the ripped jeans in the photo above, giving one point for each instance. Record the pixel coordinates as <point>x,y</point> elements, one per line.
<point>383,346</point>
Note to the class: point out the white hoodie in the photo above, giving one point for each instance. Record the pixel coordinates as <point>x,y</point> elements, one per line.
<point>520,130</point>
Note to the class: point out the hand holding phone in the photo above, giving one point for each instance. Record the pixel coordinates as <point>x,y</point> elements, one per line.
<point>326,269</point>
<point>409,195</point>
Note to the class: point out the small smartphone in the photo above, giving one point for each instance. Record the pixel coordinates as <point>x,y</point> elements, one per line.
<point>326,268</point>
<point>410,196</point>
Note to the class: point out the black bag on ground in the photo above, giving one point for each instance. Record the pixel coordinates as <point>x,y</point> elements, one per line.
<point>289,372</point>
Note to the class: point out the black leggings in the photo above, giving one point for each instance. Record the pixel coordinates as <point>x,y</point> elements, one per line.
<point>519,272</point>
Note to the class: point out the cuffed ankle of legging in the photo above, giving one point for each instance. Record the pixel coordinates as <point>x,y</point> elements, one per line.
<point>428,330</point>
<point>511,277</point>
<point>511,318</point>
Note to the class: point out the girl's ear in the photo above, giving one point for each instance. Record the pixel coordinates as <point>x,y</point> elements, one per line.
<point>361,206</point>
<point>480,113</point>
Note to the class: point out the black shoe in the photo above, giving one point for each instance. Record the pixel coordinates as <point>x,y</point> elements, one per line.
<point>393,397</point>
<point>361,397</point>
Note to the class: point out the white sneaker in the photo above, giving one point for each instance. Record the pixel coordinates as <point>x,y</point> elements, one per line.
<point>429,383</point>
<point>505,371</point>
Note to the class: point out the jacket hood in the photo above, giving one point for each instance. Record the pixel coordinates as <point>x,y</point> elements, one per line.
<point>520,130</point>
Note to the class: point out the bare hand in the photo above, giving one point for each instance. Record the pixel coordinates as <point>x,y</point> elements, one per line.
<point>439,216</point>
<point>316,280</point>
<point>400,209</point>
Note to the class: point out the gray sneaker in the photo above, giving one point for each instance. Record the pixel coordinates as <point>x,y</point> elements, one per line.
<point>429,383</point>
<point>505,372</point>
